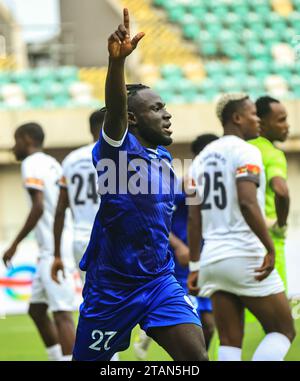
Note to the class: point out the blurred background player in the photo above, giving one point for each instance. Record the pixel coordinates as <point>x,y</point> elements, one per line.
<point>180,250</point>
<point>41,173</point>
<point>234,267</point>
<point>129,268</point>
<point>274,127</point>
<point>78,189</point>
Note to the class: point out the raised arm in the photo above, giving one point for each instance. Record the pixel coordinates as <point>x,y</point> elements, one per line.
<point>120,45</point>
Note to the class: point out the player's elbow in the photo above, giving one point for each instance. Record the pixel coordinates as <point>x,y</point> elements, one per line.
<point>247,205</point>
<point>280,188</point>
<point>39,209</point>
<point>282,192</point>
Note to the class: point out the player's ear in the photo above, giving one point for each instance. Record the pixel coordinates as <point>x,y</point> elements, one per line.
<point>27,140</point>
<point>131,119</point>
<point>236,118</point>
<point>263,125</point>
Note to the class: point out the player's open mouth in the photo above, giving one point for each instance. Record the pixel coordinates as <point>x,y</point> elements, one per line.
<point>167,129</point>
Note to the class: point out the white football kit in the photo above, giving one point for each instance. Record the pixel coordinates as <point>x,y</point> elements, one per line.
<point>231,250</point>
<point>80,179</point>
<point>42,172</point>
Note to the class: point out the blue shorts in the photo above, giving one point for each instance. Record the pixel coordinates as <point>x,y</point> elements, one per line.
<point>201,304</point>
<point>107,330</point>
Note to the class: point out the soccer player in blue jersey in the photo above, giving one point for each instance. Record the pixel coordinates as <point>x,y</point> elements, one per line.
<point>129,269</point>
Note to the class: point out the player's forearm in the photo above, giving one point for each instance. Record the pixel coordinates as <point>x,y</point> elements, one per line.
<point>194,232</point>
<point>282,205</point>
<point>175,241</point>
<point>31,221</point>
<point>59,220</point>
<point>58,229</point>
<point>254,218</point>
<point>116,99</point>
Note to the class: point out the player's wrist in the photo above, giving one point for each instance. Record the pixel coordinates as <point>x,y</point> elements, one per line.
<point>194,265</point>
<point>279,231</point>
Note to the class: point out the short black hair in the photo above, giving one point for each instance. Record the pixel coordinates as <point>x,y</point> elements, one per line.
<point>96,121</point>
<point>201,142</point>
<point>132,90</point>
<point>33,130</point>
<point>232,107</point>
<point>263,107</point>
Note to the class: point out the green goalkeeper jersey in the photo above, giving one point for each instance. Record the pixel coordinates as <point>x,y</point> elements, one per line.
<point>275,165</point>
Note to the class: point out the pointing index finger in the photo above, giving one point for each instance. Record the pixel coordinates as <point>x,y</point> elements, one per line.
<point>126,20</point>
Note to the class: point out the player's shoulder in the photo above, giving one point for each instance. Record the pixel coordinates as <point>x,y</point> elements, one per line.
<point>163,152</point>
<point>78,154</point>
<point>242,146</point>
<point>39,159</point>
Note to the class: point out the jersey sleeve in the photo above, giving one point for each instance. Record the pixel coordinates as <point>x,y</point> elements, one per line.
<point>195,177</point>
<point>32,174</point>
<point>107,148</point>
<point>63,182</point>
<point>248,164</point>
<point>276,166</point>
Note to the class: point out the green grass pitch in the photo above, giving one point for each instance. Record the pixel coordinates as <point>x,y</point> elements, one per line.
<point>21,342</point>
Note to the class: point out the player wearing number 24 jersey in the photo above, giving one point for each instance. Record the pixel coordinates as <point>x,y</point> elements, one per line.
<point>78,190</point>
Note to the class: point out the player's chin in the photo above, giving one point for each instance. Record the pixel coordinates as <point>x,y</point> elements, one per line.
<point>19,157</point>
<point>166,141</point>
<point>284,137</point>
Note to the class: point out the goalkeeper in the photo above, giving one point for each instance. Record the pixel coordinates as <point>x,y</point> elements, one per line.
<point>274,127</point>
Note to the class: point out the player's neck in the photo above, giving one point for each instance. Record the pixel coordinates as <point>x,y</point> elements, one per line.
<point>32,150</point>
<point>232,130</point>
<point>263,135</point>
<point>144,142</point>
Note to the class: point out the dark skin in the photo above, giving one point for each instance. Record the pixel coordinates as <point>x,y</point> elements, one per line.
<point>59,220</point>
<point>183,341</point>
<point>62,330</point>
<point>228,309</point>
<point>275,127</point>
<point>34,215</point>
<point>181,250</point>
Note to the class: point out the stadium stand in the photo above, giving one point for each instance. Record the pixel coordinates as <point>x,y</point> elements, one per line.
<point>45,87</point>
<point>245,45</point>
<point>197,50</point>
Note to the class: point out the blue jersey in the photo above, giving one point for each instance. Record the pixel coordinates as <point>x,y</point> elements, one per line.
<point>179,228</point>
<point>129,243</point>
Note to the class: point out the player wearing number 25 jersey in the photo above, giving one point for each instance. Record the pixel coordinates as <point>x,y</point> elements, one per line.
<point>237,260</point>
<point>225,231</point>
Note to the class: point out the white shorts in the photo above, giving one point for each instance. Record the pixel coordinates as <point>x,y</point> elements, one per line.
<point>236,275</point>
<point>58,297</point>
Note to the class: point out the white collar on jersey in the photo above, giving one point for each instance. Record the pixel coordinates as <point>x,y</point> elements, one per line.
<point>152,150</point>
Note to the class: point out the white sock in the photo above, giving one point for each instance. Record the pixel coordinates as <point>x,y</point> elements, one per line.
<point>54,353</point>
<point>227,353</point>
<point>66,358</point>
<point>115,357</point>
<point>273,347</point>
